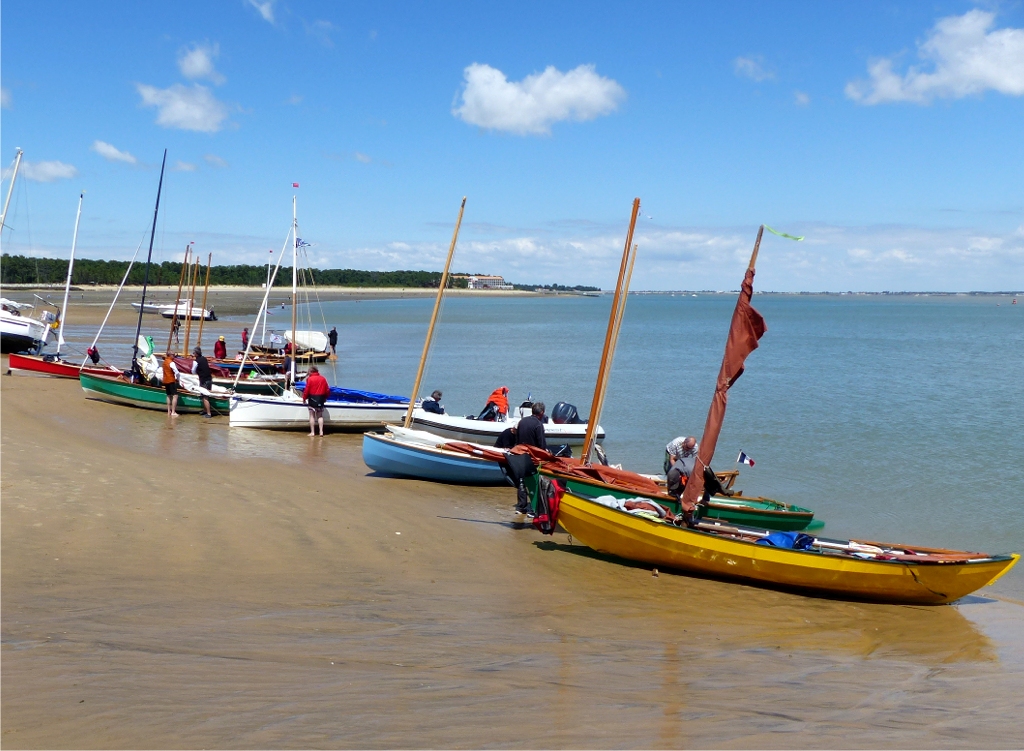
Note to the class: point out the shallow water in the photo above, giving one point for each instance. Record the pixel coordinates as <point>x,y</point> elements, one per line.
<point>893,417</point>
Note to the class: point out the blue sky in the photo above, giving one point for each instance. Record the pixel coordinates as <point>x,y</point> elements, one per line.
<point>890,134</point>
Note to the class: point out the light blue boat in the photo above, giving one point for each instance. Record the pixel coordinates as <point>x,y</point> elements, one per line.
<point>414,453</point>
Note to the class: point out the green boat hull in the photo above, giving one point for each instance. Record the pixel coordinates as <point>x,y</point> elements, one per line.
<point>762,513</point>
<point>145,396</point>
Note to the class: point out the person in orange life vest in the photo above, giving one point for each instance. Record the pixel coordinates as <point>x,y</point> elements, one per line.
<point>220,349</point>
<point>496,409</point>
<point>315,396</point>
<point>170,381</point>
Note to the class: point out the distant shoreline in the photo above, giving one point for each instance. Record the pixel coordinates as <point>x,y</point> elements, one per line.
<point>430,291</point>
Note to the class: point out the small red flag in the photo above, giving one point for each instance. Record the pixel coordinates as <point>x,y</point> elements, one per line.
<point>295,185</point>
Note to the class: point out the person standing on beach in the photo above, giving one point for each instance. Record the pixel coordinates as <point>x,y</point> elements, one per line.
<point>220,349</point>
<point>245,338</point>
<point>333,339</point>
<point>170,381</point>
<point>529,432</point>
<point>201,368</point>
<point>175,328</point>
<point>315,396</point>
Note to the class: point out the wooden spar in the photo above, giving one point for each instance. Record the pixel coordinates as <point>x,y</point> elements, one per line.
<point>295,279</point>
<point>206,288</point>
<point>181,281</point>
<point>602,372</point>
<point>433,316</point>
<point>757,244</point>
<point>67,284</point>
<point>193,274</point>
<point>618,323</point>
<point>149,260</point>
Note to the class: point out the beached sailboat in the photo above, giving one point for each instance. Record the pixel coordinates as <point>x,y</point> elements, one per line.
<point>853,569</point>
<point>132,388</point>
<point>460,428</point>
<point>19,331</point>
<point>54,365</point>
<point>346,409</point>
<point>423,456</point>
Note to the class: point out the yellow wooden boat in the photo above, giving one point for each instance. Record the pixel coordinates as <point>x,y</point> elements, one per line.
<point>847,569</point>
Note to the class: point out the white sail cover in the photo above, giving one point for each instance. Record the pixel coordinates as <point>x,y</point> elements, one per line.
<point>316,340</point>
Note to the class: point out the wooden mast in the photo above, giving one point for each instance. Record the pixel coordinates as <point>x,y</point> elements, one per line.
<point>206,288</point>
<point>602,372</point>
<point>181,281</point>
<point>618,321</point>
<point>193,274</point>
<point>433,316</point>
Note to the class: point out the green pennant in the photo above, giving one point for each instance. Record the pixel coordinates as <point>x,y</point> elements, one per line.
<point>783,234</point>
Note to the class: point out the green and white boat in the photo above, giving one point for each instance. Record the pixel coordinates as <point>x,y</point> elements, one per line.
<point>121,391</point>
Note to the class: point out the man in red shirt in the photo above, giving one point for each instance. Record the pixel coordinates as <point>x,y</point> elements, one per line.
<point>220,349</point>
<point>315,396</point>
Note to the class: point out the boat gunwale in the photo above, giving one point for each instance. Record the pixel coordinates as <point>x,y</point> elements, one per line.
<point>659,524</point>
<point>789,511</point>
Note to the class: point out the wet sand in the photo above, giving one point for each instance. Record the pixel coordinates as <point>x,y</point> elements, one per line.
<point>179,584</point>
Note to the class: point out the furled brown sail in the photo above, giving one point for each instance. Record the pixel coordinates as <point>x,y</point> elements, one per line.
<point>747,328</point>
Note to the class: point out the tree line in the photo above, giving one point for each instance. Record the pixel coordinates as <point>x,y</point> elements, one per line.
<point>25,270</point>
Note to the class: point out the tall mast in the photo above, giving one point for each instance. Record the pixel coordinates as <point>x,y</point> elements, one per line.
<point>613,318</point>
<point>193,273</point>
<point>433,316</point>
<point>295,281</point>
<point>181,281</point>
<point>10,190</point>
<point>202,308</point>
<point>67,283</point>
<point>149,260</point>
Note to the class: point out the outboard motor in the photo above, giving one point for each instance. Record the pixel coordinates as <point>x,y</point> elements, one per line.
<point>564,413</point>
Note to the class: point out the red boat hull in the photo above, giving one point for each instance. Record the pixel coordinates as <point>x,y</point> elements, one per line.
<point>36,365</point>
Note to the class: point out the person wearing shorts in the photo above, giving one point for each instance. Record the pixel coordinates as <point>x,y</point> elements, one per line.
<point>315,396</point>
<point>170,381</point>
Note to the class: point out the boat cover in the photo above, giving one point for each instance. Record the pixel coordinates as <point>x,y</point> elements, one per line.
<point>339,394</point>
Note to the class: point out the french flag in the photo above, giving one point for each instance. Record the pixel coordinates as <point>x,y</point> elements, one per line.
<point>744,459</point>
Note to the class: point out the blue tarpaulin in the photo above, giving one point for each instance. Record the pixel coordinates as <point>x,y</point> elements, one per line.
<point>339,394</point>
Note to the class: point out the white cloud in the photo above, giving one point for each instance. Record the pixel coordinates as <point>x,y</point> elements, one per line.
<point>180,166</point>
<point>112,153</point>
<point>215,161</point>
<point>5,97</point>
<point>532,105</point>
<point>265,8</point>
<point>963,56</point>
<point>47,172</point>
<point>294,99</point>
<point>801,99</point>
<point>322,31</point>
<point>197,62</point>
<point>187,108</point>
<point>360,157</point>
<point>752,68</point>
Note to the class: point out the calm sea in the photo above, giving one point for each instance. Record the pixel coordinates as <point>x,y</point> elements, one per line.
<point>894,418</point>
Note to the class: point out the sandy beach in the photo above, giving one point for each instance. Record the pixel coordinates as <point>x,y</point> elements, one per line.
<point>181,584</point>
